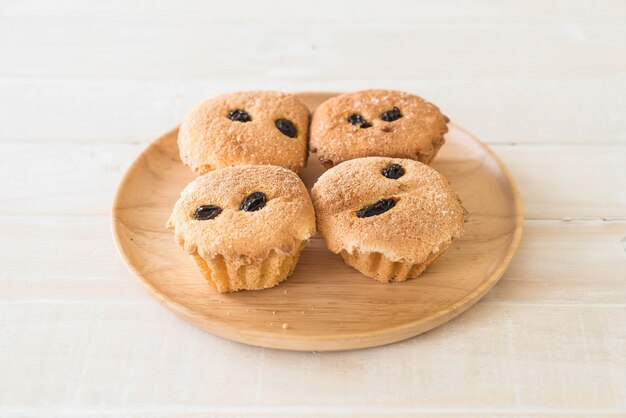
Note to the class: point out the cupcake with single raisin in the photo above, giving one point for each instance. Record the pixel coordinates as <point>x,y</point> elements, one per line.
<point>368,123</point>
<point>389,218</point>
<point>244,225</point>
<point>257,127</point>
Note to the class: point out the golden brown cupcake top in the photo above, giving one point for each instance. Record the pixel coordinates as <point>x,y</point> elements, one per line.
<point>377,123</point>
<point>256,127</point>
<point>243,211</point>
<point>398,207</point>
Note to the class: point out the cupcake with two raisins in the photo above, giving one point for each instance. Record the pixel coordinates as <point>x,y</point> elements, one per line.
<point>385,123</point>
<point>245,225</point>
<point>388,218</point>
<point>257,127</point>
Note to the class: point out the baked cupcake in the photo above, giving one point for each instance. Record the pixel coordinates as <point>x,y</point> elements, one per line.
<point>245,225</point>
<point>370,123</point>
<point>389,218</point>
<point>257,127</point>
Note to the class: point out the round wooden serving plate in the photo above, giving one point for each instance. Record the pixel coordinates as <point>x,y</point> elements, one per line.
<point>325,305</point>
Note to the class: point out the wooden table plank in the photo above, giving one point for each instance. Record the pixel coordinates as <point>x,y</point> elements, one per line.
<point>120,356</point>
<point>158,49</point>
<point>61,178</point>
<point>75,260</point>
<point>569,181</point>
<point>578,263</point>
<point>132,111</point>
<point>556,181</point>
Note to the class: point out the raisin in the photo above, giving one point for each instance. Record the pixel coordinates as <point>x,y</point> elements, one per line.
<point>354,119</point>
<point>286,127</point>
<point>206,212</point>
<point>394,171</point>
<point>358,120</point>
<point>239,115</point>
<point>255,201</point>
<point>391,115</point>
<point>382,206</point>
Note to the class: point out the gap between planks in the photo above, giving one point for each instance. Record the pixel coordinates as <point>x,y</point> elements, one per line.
<point>552,11</point>
<point>145,143</point>
<point>152,301</point>
<point>310,411</point>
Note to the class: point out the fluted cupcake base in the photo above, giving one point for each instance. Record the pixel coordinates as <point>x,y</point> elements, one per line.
<point>379,267</point>
<point>240,273</point>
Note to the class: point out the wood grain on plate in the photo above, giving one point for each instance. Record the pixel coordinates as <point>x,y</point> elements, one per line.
<point>325,305</point>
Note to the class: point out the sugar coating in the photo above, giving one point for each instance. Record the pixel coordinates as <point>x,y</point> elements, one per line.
<point>418,134</point>
<point>427,216</point>
<point>209,140</point>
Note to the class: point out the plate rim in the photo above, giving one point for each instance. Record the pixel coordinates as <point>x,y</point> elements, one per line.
<point>328,342</point>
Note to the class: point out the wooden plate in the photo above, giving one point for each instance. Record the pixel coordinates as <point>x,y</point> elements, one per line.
<point>325,305</point>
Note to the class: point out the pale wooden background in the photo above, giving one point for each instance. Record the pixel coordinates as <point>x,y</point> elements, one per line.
<point>85,85</point>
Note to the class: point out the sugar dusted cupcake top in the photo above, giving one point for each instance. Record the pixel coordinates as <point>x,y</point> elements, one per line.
<point>377,123</point>
<point>257,127</point>
<point>399,208</point>
<point>243,211</point>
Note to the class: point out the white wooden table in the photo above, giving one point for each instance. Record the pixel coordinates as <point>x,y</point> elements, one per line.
<point>85,85</point>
